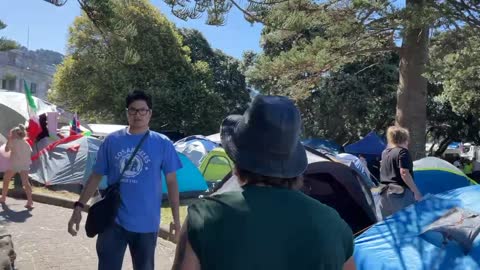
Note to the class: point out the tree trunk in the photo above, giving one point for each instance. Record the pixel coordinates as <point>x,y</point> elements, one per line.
<point>443,147</point>
<point>430,151</point>
<point>412,89</point>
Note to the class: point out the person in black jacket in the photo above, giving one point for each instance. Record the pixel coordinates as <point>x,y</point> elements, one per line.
<point>396,174</point>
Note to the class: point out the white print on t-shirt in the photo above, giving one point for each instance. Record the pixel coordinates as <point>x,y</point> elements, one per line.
<point>139,163</point>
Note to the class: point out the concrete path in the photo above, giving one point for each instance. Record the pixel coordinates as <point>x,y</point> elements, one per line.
<point>42,242</point>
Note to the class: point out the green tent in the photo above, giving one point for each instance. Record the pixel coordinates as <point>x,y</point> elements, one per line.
<point>215,165</point>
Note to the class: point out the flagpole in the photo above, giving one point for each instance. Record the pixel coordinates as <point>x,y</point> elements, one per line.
<point>28,37</point>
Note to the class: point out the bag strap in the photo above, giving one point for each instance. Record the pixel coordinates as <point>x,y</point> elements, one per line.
<point>132,156</point>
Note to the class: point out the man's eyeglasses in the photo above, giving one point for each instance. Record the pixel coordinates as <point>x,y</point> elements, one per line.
<point>133,111</point>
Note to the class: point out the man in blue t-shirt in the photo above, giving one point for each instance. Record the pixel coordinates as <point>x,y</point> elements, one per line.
<point>138,217</point>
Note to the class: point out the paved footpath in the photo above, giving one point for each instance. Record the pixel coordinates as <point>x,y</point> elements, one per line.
<point>41,240</point>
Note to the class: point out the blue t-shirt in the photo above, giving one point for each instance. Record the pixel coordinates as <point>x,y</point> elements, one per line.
<point>141,184</point>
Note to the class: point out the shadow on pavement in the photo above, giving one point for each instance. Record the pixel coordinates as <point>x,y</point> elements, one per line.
<point>7,215</point>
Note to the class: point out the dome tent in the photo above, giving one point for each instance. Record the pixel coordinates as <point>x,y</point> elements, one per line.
<point>195,147</point>
<point>400,242</point>
<point>331,183</point>
<point>190,181</point>
<point>215,165</point>
<point>434,175</point>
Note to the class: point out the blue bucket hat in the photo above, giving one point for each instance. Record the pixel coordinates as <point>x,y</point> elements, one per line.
<point>266,139</point>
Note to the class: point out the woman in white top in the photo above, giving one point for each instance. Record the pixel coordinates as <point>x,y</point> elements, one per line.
<point>20,161</point>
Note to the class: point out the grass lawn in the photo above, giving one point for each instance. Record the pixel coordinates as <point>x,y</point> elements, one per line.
<point>60,193</point>
<point>167,217</point>
<point>167,212</point>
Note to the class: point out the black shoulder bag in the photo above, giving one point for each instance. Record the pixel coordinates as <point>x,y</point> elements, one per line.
<point>102,214</point>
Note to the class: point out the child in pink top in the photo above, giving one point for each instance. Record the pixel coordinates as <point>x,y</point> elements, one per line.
<point>20,161</point>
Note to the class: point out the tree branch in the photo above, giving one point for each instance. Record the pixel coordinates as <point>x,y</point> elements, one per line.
<point>270,3</point>
<point>248,14</point>
<point>86,9</point>
<point>365,68</point>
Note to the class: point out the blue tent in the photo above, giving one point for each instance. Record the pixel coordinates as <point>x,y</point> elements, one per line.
<point>370,145</point>
<point>434,175</point>
<point>195,147</point>
<point>320,144</point>
<point>190,180</point>
<point>397,243</point>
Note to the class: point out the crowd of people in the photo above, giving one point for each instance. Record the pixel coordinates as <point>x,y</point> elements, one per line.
<point>271,224</point>
<point>269,230</point>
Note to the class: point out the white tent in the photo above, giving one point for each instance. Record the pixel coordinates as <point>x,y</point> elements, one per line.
<point>13,110</point>
<point>433,163</point>
<point>18,102</point>
<point>102,130</point>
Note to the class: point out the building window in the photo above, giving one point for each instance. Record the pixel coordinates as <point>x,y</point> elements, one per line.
<point>33,88</point>
<point>8,84</point>
<point>11,58</point>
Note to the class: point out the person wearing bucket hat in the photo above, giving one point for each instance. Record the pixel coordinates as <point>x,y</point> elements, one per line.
<point>270,224</point>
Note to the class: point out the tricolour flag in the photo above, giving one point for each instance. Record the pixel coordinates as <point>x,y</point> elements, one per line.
<point>34,128</point>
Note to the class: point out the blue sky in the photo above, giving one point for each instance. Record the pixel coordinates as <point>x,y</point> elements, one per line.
<point>49,26</point>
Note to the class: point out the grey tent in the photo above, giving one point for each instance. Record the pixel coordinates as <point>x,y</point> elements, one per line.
<point>67,161</point>
<point>333,184</point>
<point>343,189</point>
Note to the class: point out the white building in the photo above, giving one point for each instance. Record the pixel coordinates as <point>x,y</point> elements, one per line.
<point>36,68</point>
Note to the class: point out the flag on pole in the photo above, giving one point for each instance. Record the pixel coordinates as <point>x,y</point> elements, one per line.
<point>34,128</point>
<point>75,126</point>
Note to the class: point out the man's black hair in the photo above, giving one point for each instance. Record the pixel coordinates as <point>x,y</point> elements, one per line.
<point>254,179</point>
<point>138,95</point>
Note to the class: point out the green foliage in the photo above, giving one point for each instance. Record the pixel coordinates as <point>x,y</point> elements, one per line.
<point>7,76</point>
<point>249,59</point>
<point>310,47</point>
<point>57,3</point>
<point>228,81</point>
<point>132,46</point>
<point>445,125</point>
<point>455,63</point>
<point>307,42</point>
<point>303,40</point>
<point>6,44</point>
<point>352,101</point>
<point>360,97</point>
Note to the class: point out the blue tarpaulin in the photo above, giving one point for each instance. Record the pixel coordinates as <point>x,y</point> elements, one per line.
<point>371,145</point>
<point>455,145</point>
<point>397,242</point>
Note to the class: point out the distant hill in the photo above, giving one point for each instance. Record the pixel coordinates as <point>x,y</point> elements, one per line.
<point>44,57</point>
<point>49,57</point>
